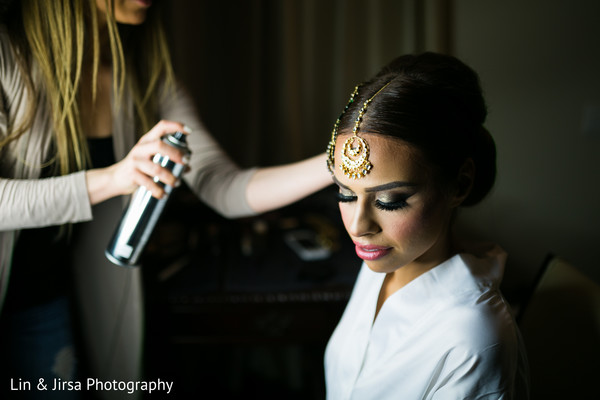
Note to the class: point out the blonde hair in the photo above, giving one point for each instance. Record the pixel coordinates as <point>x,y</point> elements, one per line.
<point>53,39</point>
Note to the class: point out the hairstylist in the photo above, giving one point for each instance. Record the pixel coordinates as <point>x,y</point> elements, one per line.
<point>83,85</point>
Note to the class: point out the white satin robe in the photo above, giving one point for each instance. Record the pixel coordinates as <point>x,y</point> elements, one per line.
<point>448,334</point>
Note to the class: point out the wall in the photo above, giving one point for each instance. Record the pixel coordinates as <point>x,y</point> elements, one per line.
<point>539,62</point>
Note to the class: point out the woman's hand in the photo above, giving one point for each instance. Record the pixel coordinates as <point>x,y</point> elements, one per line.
<point>137,168</point>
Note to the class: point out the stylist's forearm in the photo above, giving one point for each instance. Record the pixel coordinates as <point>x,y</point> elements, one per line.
<point>275,187</point>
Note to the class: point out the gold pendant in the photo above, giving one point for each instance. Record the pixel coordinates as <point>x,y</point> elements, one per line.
<point>355,158</point>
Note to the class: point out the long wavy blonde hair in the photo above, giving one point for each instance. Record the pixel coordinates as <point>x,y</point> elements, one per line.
<point>55,37</point>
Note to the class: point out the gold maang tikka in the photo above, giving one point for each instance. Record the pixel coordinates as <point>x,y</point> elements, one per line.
<point>355,153</point>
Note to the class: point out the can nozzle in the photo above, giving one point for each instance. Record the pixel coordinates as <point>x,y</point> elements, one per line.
<point>178,139</point>
<point>179,136</point>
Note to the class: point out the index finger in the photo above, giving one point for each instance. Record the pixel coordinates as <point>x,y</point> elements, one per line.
<point>164,127</point>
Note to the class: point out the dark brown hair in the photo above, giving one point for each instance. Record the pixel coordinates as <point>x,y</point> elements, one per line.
<point>435,103</point>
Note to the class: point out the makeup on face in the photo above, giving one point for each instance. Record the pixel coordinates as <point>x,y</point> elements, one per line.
<point>388,197</point>
<point>395,215</point>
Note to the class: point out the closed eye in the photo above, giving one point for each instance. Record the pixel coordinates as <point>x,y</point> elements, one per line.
<point>344,198</point>
<point>391,206</point>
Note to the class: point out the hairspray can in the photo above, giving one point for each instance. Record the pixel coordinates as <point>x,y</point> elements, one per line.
<point>143,211</point>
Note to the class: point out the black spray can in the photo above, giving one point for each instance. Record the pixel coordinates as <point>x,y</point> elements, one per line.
<point>143,211</point>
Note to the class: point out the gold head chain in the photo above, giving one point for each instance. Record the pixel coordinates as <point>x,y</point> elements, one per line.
<point>355,153</point>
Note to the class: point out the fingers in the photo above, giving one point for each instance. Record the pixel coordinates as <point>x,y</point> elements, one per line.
<point>138,169</point>
<point>150,184</point>
<point>162,128</point>
<point>145,152</point>
<point>151,143</point>
<point>155,172</point>
<point>148,173</point>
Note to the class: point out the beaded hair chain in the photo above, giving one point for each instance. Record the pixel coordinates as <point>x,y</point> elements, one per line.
<point>355,154</point>
<point>334,133</point>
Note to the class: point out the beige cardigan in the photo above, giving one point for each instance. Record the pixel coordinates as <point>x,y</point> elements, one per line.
<point>110,297</point>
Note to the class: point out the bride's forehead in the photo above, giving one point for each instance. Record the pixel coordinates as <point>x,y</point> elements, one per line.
<point>390,158</point>
<point>381,145</point>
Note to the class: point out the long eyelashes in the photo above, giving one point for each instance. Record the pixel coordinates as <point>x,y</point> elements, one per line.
<point>396,205</point>
<point>381,205</point>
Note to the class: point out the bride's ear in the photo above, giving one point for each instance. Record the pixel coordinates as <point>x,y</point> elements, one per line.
<point>464,182</point>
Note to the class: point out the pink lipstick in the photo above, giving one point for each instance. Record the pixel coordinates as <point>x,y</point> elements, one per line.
<point>370,252</point>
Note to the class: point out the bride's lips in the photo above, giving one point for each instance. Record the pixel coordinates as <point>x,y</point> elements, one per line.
<point>370,252</point>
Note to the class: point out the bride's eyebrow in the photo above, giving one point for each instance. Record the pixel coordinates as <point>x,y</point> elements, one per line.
<point>379,188</point>
<point>391,185</point>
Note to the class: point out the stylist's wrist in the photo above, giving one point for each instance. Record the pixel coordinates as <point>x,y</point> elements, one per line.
<point>102,185</point>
